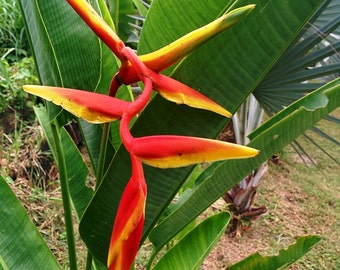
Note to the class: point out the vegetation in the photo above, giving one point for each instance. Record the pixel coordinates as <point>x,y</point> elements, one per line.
<point>175,196</point>
<point>16,67</point>
<point>13,40</point>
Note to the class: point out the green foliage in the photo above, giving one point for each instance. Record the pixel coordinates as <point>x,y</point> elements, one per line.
<point>24,250</point>
<point>283,260</point>
<point>13,40</point>
<point>12,77</point>
<point>227,69</point>
<point>186,256</point>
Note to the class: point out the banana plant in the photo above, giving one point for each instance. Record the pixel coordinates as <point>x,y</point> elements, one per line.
<point>70,56</point>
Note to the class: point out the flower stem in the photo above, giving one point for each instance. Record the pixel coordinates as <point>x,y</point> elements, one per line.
<point>65,193</point>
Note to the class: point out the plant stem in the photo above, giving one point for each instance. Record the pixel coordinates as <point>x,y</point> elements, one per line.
<point>65,193</point>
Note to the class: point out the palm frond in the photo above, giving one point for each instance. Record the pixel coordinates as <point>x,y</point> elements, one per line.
<point>312,60</point>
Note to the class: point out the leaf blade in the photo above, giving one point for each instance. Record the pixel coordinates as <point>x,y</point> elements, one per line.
<point>190,251</point>
<point>21,245</point>
<point>281,261</point>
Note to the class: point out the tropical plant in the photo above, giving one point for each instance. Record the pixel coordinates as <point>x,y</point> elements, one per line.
<point>311,60</point>
<point>69,55</point>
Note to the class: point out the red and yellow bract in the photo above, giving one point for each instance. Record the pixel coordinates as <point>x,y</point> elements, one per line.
<point>166,151</point>
<point>92,107</point>
<point>128,226</point>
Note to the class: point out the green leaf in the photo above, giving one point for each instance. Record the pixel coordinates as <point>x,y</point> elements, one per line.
<point>227,69</point>
<point>67,52</point>
<point>21,245</point>
<point>281,261</point>
<point>140,5</point>
<point>190,251</point>
<point>269,138</point>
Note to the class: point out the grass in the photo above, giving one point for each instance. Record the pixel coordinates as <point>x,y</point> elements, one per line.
<point>13,40</point>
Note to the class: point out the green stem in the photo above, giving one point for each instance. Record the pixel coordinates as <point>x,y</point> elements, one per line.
<point>65,193</point>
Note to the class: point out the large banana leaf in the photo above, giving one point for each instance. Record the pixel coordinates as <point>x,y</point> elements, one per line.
<point>227,69</point>
<point>66,51</point>
<point>21,245</point>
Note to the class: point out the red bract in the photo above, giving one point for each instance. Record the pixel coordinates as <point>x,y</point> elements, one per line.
<point>92,107</point>
<point>128,226</point>
<point>180,93</point>
<point>171,89</point>
<point>167,151</point>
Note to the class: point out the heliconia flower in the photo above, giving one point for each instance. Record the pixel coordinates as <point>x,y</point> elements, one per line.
<point>164,151</point>
<point>171,151</point>
<point>165,57</point>
<point>129,221</point>
<point>92,107</point>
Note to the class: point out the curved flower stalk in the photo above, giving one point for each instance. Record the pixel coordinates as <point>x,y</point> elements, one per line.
<point>164,151</point>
